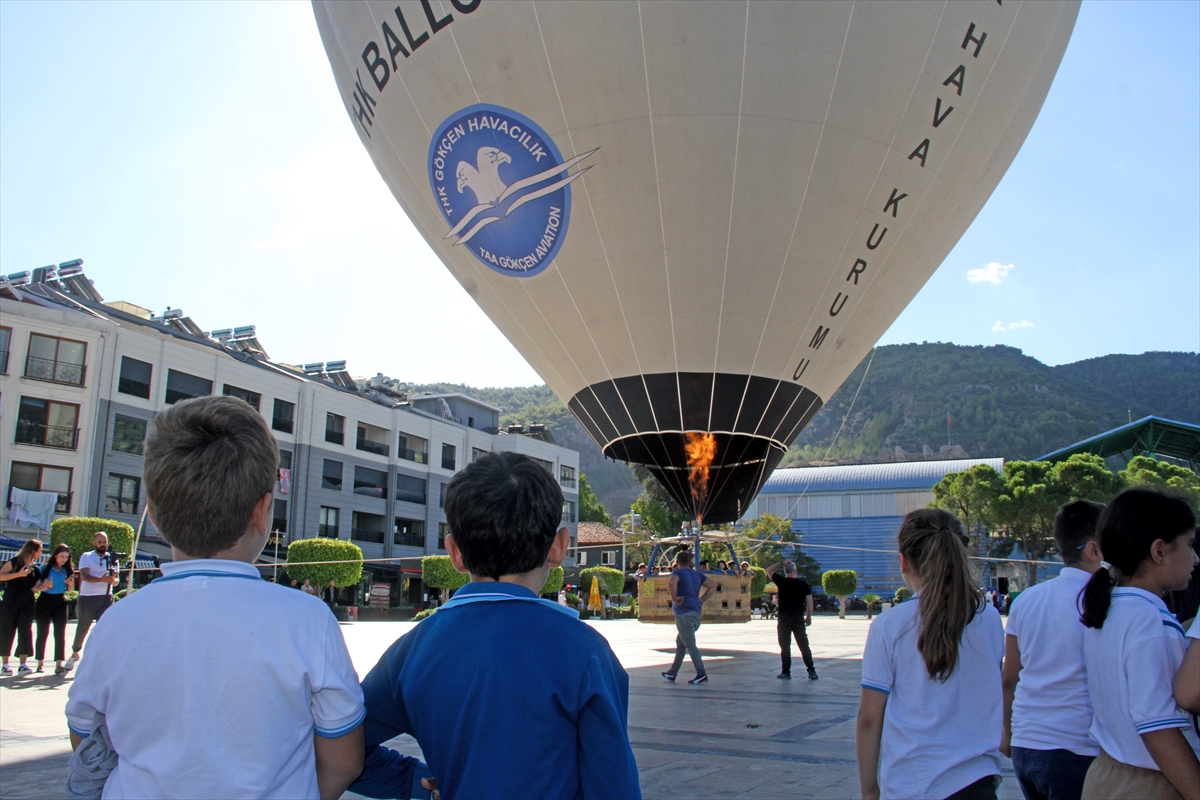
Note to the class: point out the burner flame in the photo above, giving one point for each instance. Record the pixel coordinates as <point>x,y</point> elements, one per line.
<point>701,450</point>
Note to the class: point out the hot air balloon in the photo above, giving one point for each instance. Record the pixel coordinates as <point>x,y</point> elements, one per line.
<point>693,219</point>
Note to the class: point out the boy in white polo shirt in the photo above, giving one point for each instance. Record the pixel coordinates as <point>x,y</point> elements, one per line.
<point>213,682</point>
<point>1047,712</point>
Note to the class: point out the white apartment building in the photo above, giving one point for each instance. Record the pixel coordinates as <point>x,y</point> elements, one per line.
<point>81,381</point>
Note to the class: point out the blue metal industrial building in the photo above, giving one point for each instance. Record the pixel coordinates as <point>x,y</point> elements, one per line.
<point>858,507</point>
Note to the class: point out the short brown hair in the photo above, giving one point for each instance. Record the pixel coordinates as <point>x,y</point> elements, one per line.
<point>209,460</point>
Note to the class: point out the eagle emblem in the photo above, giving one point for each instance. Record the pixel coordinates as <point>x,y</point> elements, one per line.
<point>485,164</point>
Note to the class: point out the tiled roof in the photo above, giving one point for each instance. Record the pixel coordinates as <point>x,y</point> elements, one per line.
<point>593,533</point>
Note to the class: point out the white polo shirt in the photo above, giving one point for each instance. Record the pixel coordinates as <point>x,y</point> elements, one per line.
<point>213,682</point>
<point>1051,710</point>
<point>93,565</point>
<point>937,737</point>
<point>1131,665</point>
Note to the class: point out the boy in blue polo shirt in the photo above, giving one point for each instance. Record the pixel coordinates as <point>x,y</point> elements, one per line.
<point>507,694</point>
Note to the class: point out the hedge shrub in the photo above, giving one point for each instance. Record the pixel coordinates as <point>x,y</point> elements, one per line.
<point>612,581</point>
<point>420,615</point>
<point>320,549</point>
<point>903,593</point>
<point>77,533</point>
<point>438,573</point>
<point>554,581</point>
<point>759,582</point>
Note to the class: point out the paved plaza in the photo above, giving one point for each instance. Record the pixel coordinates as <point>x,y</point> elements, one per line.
<point>744,734</point>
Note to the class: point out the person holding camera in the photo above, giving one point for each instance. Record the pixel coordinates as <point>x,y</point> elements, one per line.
<point>98,574</point>
<point>19,576</point>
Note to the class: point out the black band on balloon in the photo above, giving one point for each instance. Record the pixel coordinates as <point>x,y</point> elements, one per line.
<point>644,419</point>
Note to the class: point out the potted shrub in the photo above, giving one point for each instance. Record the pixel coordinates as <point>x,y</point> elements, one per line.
<point>839,583</point>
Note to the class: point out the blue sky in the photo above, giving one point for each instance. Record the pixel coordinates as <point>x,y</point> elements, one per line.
<point>197,155</point>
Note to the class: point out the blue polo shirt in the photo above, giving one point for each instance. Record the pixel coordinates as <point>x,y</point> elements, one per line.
<point>509,696</point>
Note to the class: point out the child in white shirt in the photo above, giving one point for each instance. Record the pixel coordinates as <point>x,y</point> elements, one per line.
<point>1133,649</point>
<point>930,716</point>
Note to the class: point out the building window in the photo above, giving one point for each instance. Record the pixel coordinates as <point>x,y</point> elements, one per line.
<point>566,476</point>
<point>283,416</point>
<point>285,459</point>
<point>546,465</point>
<point>409,532</point>
<point>328,523</point>
<point>279,520</point>
<point>449,456</point>
<point>410,489</point>
<point>477,454</point>
<point>443,532</point>
<point>331,475</point>
<point>123,493</point>
<point>416,452</point>
<point>38,478</point>
<point>55,360</point>
<point>182,386</point>
<point>370,482</point>
<point>608,558</point>
<point>129,435</point>
<point>45,423</point>
<point>366,527</point>
<point>253,399</point>
<point>581,558</point>
<point>335,428</point>
<point>442,495</point>
<point>135,377</point>
<point>5,348</point>
<point>568,511</point>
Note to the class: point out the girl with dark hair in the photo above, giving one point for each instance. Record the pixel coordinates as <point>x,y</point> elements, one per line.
<point>57,578</point>
<point>19,575</point>
<point>1133,647</point>
<point>931,712</point>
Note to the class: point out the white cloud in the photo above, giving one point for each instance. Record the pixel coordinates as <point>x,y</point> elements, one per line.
<point>994,272</point>
<point>1000,327</point>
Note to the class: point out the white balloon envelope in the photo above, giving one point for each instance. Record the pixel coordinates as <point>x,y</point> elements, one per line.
<point>693,219</point>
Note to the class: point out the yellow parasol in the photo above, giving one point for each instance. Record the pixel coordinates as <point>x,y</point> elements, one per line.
<point>594,596</point>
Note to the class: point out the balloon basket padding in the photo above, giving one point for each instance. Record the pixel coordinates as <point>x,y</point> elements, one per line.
<point>730,603</point>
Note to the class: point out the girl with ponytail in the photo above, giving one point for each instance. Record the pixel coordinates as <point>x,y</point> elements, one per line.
<point>931,713</point>
<point>1133,647</point>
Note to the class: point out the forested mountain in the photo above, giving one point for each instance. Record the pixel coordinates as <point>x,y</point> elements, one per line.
<point>1000,401</point>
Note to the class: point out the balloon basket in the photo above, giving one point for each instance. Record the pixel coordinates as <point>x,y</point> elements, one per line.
<point>730,603</point>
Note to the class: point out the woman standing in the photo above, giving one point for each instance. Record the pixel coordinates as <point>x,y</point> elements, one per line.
<point>20,576</point>
<point>57,578</point>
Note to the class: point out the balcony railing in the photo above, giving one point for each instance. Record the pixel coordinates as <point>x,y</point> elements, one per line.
<point>39,435</point>
<point>3,362</point>
<point>378,448</point>
<point>569,483</point>
<point>409,539</point>
<point>335,437</point>
<point>412,455</point>
<point>51,371</point>
<point>63,506</point>
<point>327,531</point>
<point>362,535</point>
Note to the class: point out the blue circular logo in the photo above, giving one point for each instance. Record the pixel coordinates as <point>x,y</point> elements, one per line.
<point>503,188</point>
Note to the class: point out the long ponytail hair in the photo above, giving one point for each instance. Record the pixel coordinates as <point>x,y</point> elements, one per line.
<point>1130,524</point>
<point>934,544</point>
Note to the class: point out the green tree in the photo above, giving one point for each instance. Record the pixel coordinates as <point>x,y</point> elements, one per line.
<point>840,583</point>
<point>347,572</point>
<point>590,509</point>
<point>1024,509</point>
<point>1084,476</point>
<point>658,518</point>
<point>438,572</point>
<point>773,540</point>
<point>1154,474</point>
<point>871,600</point>
<point>969,495</point>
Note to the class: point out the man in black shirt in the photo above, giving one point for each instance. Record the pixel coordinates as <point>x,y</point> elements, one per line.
<point>795,612</point>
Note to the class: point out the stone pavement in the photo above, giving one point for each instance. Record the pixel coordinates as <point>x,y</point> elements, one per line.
<point>744,734</point>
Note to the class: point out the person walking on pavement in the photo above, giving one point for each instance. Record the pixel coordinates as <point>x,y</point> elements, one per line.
<point>687,601</point>
<point>19,575</point>
<point>55,580</point>
<point>795,613</point>
<point>98,574</point>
